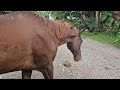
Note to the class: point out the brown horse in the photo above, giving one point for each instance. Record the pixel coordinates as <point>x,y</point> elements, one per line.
<point>29,42</point>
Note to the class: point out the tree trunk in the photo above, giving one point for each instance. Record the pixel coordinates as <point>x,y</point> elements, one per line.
<point>97,19</point>
<point>116,15</point>
<point>84,17</point>
<point>91,13</point>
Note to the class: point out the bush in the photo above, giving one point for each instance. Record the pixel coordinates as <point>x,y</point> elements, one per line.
<point>88,23</point>
<point>117,41</point>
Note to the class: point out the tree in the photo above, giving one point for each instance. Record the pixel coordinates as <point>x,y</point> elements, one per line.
<point>97,19</point>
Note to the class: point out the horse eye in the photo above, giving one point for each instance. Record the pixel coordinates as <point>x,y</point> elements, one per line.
<point>71,27</point>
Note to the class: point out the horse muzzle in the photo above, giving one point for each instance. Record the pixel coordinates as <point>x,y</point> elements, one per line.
<point>77,58</point>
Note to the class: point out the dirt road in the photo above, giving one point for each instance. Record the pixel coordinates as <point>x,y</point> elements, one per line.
<point>99,61</point>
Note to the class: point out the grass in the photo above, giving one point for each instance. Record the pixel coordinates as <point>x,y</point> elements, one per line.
<point>102,37</point>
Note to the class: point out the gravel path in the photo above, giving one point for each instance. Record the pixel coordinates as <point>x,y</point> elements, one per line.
<point>99,61</point>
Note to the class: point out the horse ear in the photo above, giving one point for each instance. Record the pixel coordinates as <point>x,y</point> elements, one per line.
<point>82,30</point>
<point>72,33</point>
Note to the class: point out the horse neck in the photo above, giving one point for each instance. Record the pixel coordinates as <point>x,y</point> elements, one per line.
<point>59,33</point>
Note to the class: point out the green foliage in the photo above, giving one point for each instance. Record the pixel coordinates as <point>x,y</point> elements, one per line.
<point>103,38</point>
<point>79,19</point>
<point>41,13</point>
<point>87,18</point>
<point>117,40</point>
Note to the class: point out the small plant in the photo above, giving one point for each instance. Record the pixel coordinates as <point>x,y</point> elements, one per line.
<point>117,40</point>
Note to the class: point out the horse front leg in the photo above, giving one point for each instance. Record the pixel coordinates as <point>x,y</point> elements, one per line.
<point>26,74</point>
<point>45,66</point>
<point>48,71</point>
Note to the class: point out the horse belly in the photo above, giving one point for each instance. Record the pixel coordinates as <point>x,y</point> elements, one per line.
<point>15,56</point>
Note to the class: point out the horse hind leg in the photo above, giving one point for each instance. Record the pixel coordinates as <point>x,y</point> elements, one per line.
<point>26,74</point>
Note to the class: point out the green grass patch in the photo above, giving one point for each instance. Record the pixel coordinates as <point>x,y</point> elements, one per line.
<point>102,37</point>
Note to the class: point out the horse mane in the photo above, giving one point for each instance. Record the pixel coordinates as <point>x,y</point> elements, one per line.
<point>61,28</point>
